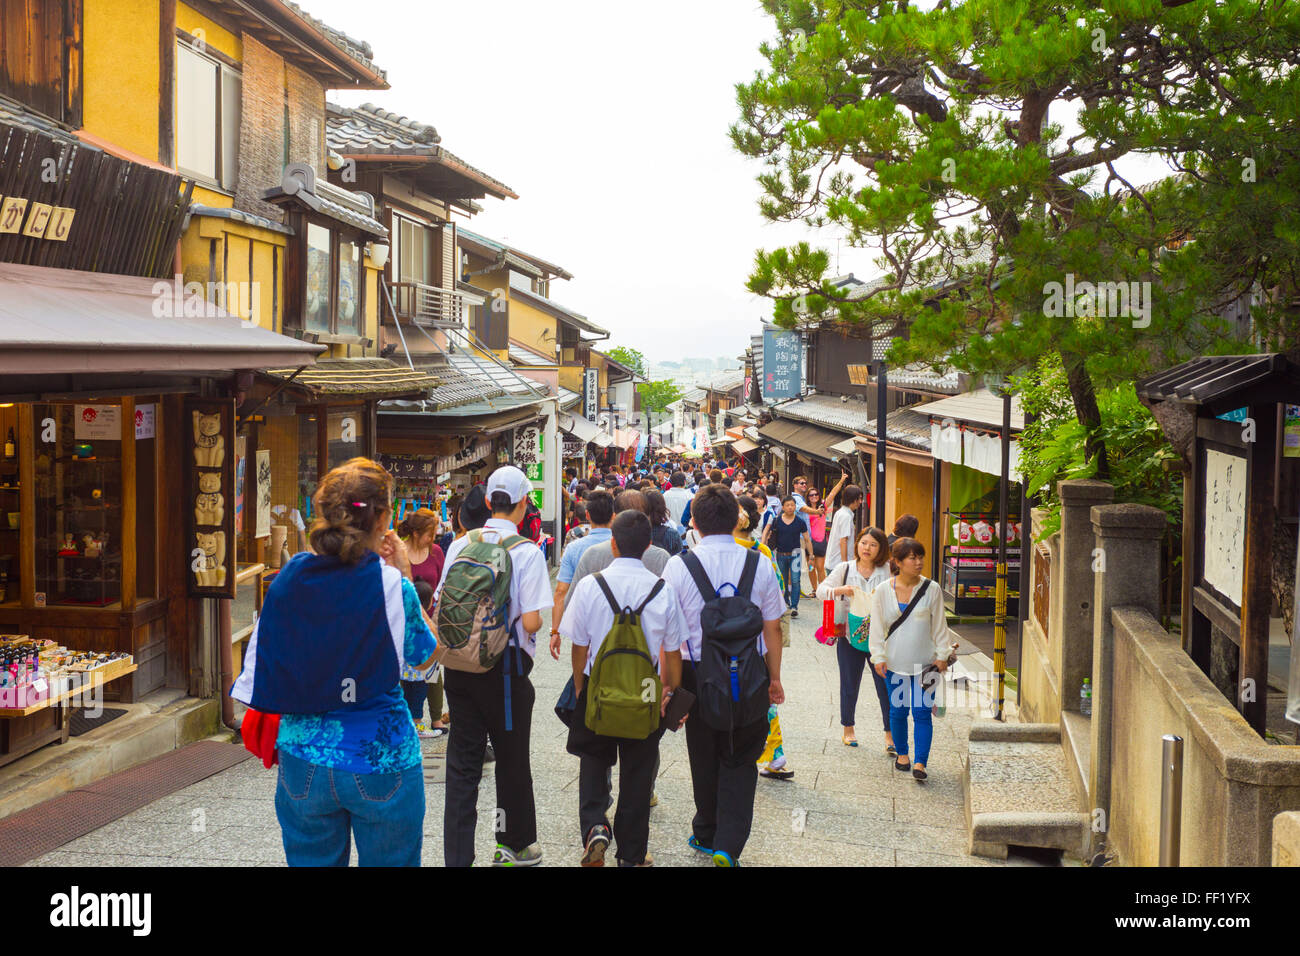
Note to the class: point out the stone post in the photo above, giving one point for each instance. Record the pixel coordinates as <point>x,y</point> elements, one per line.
<point>1077,542</point>
<point>1128,575</point>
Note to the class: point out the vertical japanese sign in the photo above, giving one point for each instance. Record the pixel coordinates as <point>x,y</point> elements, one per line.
<point>528,458</point>
<point>590,393</point>
<point>782,364</point>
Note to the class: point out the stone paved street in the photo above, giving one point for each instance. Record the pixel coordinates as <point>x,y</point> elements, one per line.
<point>843,807</point>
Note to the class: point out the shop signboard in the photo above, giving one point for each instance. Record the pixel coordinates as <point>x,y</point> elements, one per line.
<point>782,364</point>
<point>144,421</point>
<point>209,501</point>
<point>528,446</point>
<point>263,491</point>
<point>103,422</point>
<point>573,448</point>
<point>590,393</point>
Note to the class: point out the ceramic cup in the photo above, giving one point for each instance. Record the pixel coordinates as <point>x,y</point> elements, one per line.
<point>13,519</point>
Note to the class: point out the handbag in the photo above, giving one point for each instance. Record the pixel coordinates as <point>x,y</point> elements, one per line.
<point>829,632</point>
<point>568,702</point>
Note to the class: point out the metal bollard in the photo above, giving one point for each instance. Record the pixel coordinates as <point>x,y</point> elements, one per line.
<point>1171,799</point>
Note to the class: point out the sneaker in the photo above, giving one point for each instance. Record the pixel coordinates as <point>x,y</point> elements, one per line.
<point>695,844</point>
<point>723,858</point>
<point>489,755</point>
<point>597,844</point>
<point>794,613</point>
<point>528,856</point>
<point>654,799</point>
<point>648,861</point>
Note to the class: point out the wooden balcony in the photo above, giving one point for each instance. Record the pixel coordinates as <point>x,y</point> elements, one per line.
<point>428,305</point>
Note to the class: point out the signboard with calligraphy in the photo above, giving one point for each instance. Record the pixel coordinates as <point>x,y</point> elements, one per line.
<point>590,393</point>
<point>1224,545</point>
<point>782,364</point>
<point>528,446</point>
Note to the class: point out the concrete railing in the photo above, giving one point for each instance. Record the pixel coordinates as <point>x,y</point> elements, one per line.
<point>1234,783</point>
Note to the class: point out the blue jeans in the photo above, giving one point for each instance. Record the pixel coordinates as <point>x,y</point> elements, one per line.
<point>319,808</point>
<point>791,578</point>
<point>906,693</point>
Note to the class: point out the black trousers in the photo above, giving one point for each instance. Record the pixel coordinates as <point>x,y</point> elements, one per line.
<point>479,701</point>
<point>638,765</point>
<point>852,662</point>
<point>724,776</point>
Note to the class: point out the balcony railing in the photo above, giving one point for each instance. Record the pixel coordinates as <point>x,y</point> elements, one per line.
<point>428,305</point>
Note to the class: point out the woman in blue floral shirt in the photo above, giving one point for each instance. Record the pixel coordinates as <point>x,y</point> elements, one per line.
<point>336,630</point>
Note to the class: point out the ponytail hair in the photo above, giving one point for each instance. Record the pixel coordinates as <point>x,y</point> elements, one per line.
<point>417,522</point>
<point>350,502</point>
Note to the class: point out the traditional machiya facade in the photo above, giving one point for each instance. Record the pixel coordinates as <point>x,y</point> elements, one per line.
<point>180,264</point>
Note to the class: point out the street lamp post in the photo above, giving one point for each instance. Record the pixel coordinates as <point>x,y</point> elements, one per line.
<point>998,386</point>
<point>882,404</point>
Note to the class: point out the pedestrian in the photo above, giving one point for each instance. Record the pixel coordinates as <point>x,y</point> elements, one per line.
<point>662,531</point>
<point>858,579</point>
<point>738,482</point>
<point>817,529</point>
<point>788,535</point>
<point>419,685</point>
<point>600,512</point>
<point>840,538</point>
<point>336,628</point>
<point>623,595</point>
<point>677,499</point>
<point>772,762</point>
<point>495,705</point>
<point>909,646</point>
<point>904,527</point>
<point>419,531</point>
<point>726,730</point>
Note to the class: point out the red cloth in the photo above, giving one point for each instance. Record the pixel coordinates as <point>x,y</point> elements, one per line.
<point>259,731</point>
<point>430,569</point>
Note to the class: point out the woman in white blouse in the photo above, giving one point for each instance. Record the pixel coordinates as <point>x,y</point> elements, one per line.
<point>869,570</point>
<point>918,644</point>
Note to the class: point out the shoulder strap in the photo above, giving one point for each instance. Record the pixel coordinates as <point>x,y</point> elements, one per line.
<point>654,592</point>
<point>698,574</point>
<point>609,595</point>
<point>916,599</point>
<point>747,576</point>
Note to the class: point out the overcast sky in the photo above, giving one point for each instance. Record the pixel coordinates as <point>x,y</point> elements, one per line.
<point>610,122</point>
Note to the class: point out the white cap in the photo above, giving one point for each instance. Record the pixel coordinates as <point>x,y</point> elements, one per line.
<point>510,480</point>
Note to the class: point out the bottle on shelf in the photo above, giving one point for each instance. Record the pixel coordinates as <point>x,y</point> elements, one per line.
<point>1085,697</point>
<point>10,445</point>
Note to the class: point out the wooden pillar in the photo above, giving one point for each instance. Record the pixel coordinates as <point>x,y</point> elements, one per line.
<point>129,542</point>
<point>1257,595</point>
<point>166,79</point>
<point>27,436</point>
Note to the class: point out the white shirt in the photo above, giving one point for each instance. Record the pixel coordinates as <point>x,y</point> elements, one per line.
<point>920,640</point>
<point>676,499</point>
<point>590,617</point>
<point>847,575</point>
<point>841,530</point>
<point>723,561</point>
<point>530,582</point>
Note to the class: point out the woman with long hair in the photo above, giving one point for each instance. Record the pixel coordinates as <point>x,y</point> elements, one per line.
<point>662,532</point>
<point>817,535</point>
<point>326,654</point>
<point>419,531</point>
<point>852,652</point>
<point>909,638</point>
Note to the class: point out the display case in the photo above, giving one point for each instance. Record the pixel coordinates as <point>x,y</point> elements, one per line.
<point>78,507</point>
<point>969,566</point>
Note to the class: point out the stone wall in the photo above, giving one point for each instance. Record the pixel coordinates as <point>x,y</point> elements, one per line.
<point>1234,783</point>
<point>1039,698</point>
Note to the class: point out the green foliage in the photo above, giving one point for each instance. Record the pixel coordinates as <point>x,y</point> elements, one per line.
<point>1052,446</point>
<point>630,357</point>
<point>657,396</point>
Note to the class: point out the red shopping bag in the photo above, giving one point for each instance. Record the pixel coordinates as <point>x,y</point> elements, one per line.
<point>828,633</point>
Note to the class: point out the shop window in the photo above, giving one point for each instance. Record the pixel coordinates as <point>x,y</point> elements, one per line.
<point>148,416</point>
<point>308,474</point>
<point>347,437</point>
<point>207,117</point>
<point>317,309</point>
<point>78,495</point>
<point>349,291</point>
<point>10,489</point>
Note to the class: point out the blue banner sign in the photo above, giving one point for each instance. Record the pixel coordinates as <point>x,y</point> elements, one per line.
<point>782,364</point>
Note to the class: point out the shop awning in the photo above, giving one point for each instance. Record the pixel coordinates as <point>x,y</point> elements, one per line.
<point>584,430</point>
<point>846,447</point>
<point>407,419</point>
<point>360,378</point>
<point>980,407</point>
<point>60,321</point>
<point>743,446</point>
<point>808,439</point>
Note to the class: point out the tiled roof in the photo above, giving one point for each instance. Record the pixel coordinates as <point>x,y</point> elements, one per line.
<point>238,215</point>
<point>494,244</point>
<point>522,356</point>
<point>827,410</point>
<point>924,378</point>
<point>368,129</point>
<point>457,388</point>
<point>583,323</point>
<point>906,426</point>
<point>359,50</point>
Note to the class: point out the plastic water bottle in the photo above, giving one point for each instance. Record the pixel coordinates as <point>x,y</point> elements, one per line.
<point>1085,697</point>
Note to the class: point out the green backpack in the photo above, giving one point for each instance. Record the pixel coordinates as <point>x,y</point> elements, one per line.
<point>474,606</point>
<point>623,689</point>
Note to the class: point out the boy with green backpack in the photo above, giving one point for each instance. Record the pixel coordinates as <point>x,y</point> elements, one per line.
<point>619,621</point>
